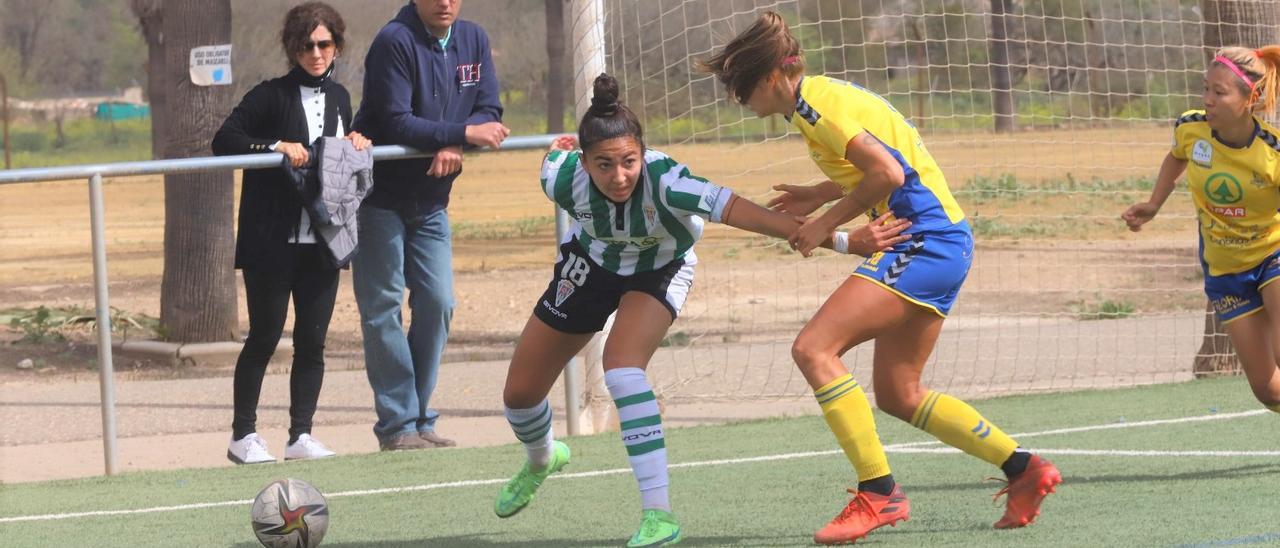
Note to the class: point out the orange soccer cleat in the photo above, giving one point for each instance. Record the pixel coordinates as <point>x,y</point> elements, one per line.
<point>1026,492</point>
<point>865,513</point>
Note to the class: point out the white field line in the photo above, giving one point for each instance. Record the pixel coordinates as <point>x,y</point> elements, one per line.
<point>1105,452</point>
<point>915,448</point>
<point>1111,426</point>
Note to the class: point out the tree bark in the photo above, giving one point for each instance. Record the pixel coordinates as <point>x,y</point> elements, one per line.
<point>555,66</point>
<point>998,53</point>
<point>1230,23</point>
<point>1246,23</point>
<point>25,23</point>
<point>198,291</point>
<point>150,22</point>
<point>1217,356</point>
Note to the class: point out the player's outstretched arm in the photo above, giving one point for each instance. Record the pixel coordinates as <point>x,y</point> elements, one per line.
<point>874,236</point>
<point>804,199</point>
<point>1138,214</point>
<point>882,174</point>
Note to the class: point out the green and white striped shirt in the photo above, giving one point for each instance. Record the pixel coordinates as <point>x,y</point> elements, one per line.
<point>657,225</point>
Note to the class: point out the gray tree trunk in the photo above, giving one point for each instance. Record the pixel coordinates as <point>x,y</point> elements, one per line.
<point>555,66</point>
<point>198,291</point>
<point>1230,23</point>
<point>1246,23</point>
<point>998,53</point>
<point>150,23</point>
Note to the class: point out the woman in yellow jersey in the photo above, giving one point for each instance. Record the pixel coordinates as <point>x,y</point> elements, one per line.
<point>1232,161</point>
<point>877,164</point>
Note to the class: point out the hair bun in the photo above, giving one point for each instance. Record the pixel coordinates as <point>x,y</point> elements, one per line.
<point>604,96</point>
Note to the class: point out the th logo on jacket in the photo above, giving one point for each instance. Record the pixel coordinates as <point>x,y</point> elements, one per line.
<point>469,74</point>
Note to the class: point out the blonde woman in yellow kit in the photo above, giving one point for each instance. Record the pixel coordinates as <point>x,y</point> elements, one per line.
<point>877,164</point>
<point>1232,161</point>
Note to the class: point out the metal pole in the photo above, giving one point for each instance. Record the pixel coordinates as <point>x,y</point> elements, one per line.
<point>106,370</point>
<point>95,173</point>
<point>572,386</point>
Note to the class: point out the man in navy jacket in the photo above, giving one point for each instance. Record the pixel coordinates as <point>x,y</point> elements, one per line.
<point>429,84</point>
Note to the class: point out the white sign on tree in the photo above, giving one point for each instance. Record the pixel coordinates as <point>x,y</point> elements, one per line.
<point>211,65</point>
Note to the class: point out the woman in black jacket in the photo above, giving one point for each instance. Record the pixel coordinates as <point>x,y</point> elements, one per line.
<point>275,248</point>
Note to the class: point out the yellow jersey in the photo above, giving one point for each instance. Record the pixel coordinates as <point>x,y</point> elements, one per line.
<point>1236,192</point>
<point>830,112</point>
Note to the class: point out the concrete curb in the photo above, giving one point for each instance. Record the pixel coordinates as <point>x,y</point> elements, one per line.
<point>174,353</point>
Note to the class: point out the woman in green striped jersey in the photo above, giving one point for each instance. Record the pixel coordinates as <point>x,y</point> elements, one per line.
<point>636,216</point>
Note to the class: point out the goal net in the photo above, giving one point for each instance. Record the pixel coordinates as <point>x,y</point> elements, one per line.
<point>1048,118</point>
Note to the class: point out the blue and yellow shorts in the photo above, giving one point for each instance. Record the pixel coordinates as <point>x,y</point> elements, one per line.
<point>927,270</point>
<point>1240,294</point>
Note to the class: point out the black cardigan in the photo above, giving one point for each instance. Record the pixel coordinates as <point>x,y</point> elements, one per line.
<point>269,207</point>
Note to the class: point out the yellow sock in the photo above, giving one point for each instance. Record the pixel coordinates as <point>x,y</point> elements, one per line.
<point>848,413</point>
<point>957,424</point>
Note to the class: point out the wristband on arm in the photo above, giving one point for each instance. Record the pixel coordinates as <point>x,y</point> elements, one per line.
<point>840,242</point>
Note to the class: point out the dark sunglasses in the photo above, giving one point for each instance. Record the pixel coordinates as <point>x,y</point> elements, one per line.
<point>324,45</point>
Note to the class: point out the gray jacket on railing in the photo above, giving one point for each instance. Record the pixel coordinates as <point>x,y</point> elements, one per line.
<point>332,184</point>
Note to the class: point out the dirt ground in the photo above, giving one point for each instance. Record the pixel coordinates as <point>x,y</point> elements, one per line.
<point>1022,305</point>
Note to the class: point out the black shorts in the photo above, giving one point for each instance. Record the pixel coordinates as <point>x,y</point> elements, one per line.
<point>582,294</point>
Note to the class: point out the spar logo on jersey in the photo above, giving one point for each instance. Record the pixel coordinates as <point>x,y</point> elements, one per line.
<point>1227,211</point>
<point>563,290</point>
<point>469,74</point>
<point>1202,153</point>
<point>1223,189</point>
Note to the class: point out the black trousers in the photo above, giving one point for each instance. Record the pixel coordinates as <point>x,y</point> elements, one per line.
<point>313,283</point>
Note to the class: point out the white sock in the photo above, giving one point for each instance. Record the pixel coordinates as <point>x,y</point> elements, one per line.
<point>532,427</point>
<point>641,434</point>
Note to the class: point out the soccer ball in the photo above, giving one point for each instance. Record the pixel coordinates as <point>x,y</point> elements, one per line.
<point>290,513</point>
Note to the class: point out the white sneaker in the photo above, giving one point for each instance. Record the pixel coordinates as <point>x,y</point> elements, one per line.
<point>306,447</point>
<point>250,449</point>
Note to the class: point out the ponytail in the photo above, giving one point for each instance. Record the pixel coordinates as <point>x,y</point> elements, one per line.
<point>754,54</point>
<point>1268,86</point>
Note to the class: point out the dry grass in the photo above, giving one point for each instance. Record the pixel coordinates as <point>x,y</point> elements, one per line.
<point>44,227</point>
<point>1041,250</point>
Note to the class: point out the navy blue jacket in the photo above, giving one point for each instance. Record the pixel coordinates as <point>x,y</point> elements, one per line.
<point>418,95</point>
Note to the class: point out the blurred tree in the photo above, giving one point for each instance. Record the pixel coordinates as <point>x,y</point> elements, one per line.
<point>556,74</point>
<point>150,25</point>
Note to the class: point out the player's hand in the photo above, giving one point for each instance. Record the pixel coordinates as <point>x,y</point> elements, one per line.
<point>360,142</point>
<point>488,134</point>
<point>295,152</point>
<point>878,235</point>
<point>1138,215</point>
<point>796,199</point>
<point>811,234</point>
<point>447,161</point>
<point>564,142</point>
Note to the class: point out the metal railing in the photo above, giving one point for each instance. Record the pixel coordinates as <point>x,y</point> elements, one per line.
<point>95,172</point>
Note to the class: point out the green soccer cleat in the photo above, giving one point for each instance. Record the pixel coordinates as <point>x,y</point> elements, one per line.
<point>517,493</point>
<point>657,528</point>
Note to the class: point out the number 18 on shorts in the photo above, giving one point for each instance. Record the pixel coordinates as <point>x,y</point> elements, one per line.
<point>582,294</point>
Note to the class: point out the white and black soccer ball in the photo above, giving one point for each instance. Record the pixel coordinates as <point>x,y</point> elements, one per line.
<point>290,513</point>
